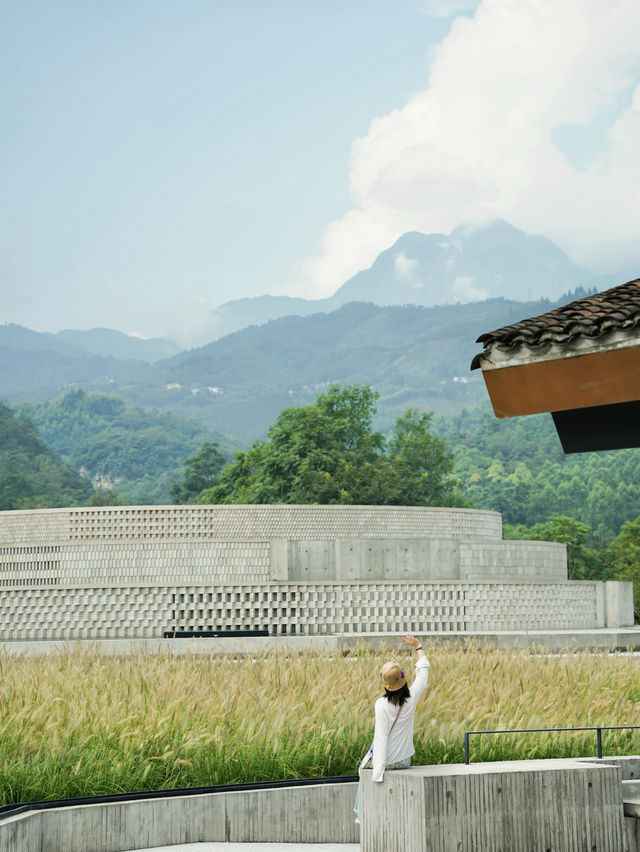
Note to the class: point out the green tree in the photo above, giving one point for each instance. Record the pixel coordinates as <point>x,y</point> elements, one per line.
<point>31,475</point>
<point>104,497</point>
<point>420,465</point>
<point>202,471</point>
<point>327,452</point>
<point>623,558</point>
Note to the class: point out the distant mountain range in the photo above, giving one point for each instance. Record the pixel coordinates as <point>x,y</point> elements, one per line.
<point>114,344</point>
<point>414,356</point>
<point>101,342</point>
<point>407,326</point>
<point>471,264</point>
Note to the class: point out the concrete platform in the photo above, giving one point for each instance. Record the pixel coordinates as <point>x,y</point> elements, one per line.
<point>256,847</point>
<point>296,816</point>
<point>521,806</point>
<point>631,798</point>
<point>622,638</point>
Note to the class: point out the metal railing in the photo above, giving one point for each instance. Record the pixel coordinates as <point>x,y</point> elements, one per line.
<point>598,729</point>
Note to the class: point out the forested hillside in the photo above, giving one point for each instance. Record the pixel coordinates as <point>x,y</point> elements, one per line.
<point>31,475</point>
<point>135,453</point>
<point>413,356</point>
<point>516,466</point>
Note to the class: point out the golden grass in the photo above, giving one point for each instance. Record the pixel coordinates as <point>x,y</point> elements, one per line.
<point>80,722</point>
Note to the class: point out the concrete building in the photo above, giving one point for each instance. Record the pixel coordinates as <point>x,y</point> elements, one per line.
<point>129,572</point>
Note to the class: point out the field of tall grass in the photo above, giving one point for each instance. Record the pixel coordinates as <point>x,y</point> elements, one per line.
<point>80,723</point>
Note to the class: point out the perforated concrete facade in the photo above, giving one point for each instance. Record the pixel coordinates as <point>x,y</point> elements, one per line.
<point>134,523</point>
<point>122,572</point>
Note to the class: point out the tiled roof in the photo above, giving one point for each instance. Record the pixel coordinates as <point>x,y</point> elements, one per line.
<point>592,317</point>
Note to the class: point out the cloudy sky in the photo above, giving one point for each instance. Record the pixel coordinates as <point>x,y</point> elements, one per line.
<point>161,157</point>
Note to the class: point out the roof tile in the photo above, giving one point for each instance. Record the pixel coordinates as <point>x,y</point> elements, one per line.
<point>616,308</point>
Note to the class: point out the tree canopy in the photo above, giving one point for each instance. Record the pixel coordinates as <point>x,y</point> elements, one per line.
<point>328,452</point>
<point>201,472</point>
<point>32,476</point>
<point>135,453</point>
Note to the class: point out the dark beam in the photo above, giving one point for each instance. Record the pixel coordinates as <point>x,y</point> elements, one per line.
<point>601,427</point>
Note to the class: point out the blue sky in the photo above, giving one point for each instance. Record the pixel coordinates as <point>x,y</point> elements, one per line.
<point>160,158</point>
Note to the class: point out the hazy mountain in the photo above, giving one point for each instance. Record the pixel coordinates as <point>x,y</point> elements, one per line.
<point>32,361</point>
<point>414,356</point>
<point>241,313</point>
<point>104,342</point>
<point>471,264</point>
<point>115,344</point>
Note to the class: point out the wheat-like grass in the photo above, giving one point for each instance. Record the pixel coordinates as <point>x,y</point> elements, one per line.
<point>80,722</point>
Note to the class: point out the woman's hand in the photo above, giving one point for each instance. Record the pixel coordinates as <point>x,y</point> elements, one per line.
<point>410,639</point>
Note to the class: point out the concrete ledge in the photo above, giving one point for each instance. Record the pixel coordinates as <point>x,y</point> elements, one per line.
<point>602,639</point>
<point>313,814</point>
<point>520,806</point>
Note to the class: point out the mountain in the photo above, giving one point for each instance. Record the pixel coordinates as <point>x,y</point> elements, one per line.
<point>103,342</point>
<point>471,264</point>
<point>241,313</point>
<point>32,361</point>
<point>414,356</point>
<point>114,344</point>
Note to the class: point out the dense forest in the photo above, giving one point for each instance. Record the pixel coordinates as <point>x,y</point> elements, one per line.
<point>516,466</point>
<point>136,455</point>
<point>32,476</point>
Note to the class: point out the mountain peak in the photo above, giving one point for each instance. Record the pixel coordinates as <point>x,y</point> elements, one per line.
<point>476,261</point>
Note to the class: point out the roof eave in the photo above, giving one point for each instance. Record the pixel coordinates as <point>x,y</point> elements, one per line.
<point>596,378</point>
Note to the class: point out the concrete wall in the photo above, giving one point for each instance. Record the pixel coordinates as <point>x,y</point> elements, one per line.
<point>132,572</point>
<point>517,806</point>
<point>618,604</point>
<point>312,609</point>
<point>313,814</point>
<point>176,523</point>
<point>368,559</point>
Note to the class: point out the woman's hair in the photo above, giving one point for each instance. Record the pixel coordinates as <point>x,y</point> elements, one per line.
<point>398,696</point>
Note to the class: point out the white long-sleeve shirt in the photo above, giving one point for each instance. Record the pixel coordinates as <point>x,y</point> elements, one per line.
<point>392,746</point>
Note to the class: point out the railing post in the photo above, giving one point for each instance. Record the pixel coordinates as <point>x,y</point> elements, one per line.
<point>599,738</point>
<point>466,747</point>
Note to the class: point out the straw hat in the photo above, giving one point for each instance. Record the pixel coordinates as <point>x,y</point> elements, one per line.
<point>392,676</point>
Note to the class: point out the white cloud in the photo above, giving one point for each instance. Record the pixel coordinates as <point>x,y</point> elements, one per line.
<point>463,290</point>
<point>405,267</point>
<point>447,8</point>
<point>477,143</point>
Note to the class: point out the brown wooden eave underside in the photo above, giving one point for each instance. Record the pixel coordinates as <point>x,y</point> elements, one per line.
<point>600,378</point>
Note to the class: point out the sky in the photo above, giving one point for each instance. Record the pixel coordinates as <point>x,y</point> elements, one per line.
<point>161,157</point>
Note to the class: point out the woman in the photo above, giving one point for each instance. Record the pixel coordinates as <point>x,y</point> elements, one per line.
<point>394,712</point>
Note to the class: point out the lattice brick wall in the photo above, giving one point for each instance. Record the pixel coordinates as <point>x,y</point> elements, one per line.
<point>295,608</point>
